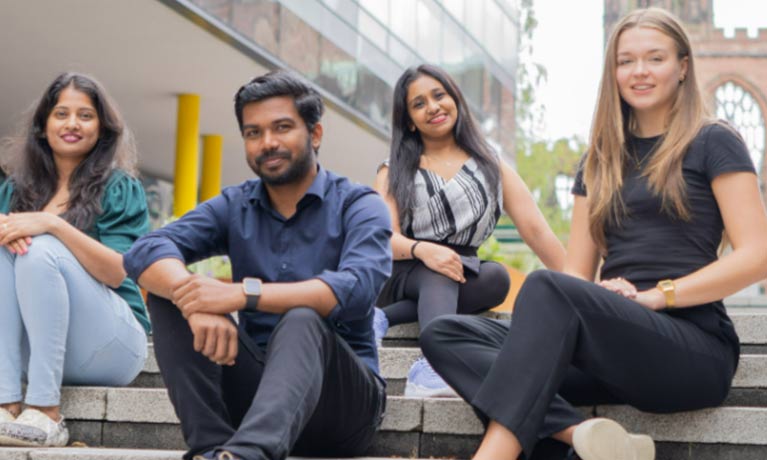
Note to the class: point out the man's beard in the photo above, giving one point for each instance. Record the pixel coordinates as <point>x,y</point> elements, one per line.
<point>297,169</point>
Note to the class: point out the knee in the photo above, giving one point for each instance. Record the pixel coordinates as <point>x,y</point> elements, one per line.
<point>537,281</point>
<point>45,249</point>
<point>495,278</point>
<point>435,337</point>
<point>301,317</point>
<point>537,289</point>
<point>5,254</point>
<point>428,278</point>
<point>156,305</point>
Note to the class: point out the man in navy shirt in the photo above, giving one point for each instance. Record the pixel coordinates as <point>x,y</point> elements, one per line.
<point>309,252</point>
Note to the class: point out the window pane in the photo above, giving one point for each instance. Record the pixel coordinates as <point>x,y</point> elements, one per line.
<point>736,105</point>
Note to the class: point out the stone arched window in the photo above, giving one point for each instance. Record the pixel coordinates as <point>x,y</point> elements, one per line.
<point>736,105</point>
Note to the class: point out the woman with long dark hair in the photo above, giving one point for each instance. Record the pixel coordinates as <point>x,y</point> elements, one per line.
<point>445,188</point>
<point>68,209</point>
<point>659,184</point>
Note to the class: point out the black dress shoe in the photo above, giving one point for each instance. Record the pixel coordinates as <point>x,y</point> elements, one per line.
<point>571,455</point>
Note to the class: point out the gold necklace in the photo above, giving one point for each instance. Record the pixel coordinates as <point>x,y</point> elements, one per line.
<point>640,163</point>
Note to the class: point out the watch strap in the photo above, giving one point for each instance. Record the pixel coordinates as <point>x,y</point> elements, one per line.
<point>251,298</point>
<point>668,289</point>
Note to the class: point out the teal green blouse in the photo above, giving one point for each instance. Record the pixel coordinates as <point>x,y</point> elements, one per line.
<point>123,220</point>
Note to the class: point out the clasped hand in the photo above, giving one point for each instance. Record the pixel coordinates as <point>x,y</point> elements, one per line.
<point>17,229</point>
<point>205,302</point>
<point>202,294</point>
<point>624,287</point>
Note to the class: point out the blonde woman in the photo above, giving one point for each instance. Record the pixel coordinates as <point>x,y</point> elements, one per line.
<point>659,185</point>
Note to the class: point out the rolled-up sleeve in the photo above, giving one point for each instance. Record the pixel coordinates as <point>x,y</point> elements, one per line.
<point>199,234</point>
<point>366,260</point>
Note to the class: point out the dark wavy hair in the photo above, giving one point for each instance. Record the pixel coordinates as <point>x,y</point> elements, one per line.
<point>407,146</point>
<point>277,83</point>
<point>32,168</point>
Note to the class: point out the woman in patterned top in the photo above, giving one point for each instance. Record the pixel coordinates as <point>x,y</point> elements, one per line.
<point>69,207</point>
<point>445,188</point>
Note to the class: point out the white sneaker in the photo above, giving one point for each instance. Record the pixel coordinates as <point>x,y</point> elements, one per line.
<point>6,416</point>
<point>380,326</point>
<point>424,382</point>
<point>605,439</point>
<point>34,429</point>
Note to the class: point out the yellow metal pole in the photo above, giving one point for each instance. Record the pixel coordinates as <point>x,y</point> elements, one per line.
<point>187,154</point>
<point>212,153</point>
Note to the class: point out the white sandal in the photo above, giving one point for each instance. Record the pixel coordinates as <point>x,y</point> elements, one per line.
<point>34,429</point>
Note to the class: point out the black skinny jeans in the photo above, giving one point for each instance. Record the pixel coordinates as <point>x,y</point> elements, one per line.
<point>421,294</point>
<point>574,342</point>
<point>307,394</point>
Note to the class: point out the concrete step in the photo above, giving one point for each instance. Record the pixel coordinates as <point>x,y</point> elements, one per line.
<point>74,453</point>
<point>137,417</point>
<point>750,323</point>
<point>396,361</point>
<point>71,453</point>
<point>759,301</point>
<point>429,415</point>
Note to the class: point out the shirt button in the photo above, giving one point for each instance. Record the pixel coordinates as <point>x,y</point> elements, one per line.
<point>284,266</point>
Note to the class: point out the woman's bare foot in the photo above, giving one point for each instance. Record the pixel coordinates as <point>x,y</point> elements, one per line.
<point>13,408</point>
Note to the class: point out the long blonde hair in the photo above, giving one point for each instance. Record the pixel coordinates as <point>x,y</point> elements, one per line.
<point>614,120</point>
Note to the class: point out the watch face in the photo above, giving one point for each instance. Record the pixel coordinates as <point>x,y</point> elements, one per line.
<point>252,286</point>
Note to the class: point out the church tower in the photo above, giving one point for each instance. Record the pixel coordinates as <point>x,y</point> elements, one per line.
<point>697,15</point>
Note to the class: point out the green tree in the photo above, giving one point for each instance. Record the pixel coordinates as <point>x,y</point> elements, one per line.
<point>538,162</point>
<point>540,167</point>
<point>530,75</point>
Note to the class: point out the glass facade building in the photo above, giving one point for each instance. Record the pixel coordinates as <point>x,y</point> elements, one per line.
<point>356,49</point>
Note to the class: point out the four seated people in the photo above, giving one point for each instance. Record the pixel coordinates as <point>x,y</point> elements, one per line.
<point>284,360</point>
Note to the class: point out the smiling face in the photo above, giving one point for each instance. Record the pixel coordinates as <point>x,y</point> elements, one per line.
<point>431,108</point>
<point>72,127</point>
<point>278,146</point>
<point>648,71</point>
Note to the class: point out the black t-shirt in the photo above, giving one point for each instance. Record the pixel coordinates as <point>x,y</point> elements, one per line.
<point>650,245</point>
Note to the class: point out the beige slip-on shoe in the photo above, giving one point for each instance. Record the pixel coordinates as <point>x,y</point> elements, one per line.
<point>605,439</point>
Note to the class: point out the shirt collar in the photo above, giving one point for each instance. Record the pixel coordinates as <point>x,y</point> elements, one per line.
<point>318,189</point>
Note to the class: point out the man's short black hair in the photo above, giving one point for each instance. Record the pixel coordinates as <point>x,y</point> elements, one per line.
<point>307,100</point>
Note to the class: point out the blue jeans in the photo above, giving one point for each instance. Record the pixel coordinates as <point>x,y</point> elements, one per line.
<point>59,325</point>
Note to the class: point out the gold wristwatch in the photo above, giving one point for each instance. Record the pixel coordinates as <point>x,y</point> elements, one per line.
<point>667,288</point>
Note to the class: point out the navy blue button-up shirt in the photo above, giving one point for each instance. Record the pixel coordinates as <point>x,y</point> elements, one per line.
<point>339,234</point>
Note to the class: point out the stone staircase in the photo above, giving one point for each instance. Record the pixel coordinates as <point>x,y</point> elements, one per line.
<point>128,422</point>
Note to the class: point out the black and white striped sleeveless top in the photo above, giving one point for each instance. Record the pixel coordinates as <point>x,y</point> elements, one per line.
<point>462,211</point>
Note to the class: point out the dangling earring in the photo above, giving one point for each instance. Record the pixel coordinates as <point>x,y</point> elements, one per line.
<point>412,128</point>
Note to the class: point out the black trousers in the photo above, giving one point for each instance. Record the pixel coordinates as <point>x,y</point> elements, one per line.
<point>417,293</point>
<point>307,394</point>
<point>574,342</point>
